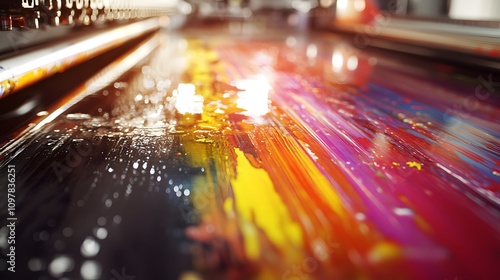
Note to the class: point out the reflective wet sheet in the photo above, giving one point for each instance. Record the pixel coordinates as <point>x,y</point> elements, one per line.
<point>262,157</point>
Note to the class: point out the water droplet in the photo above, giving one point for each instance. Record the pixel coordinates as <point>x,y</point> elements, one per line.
<point>101,233</point>
<point>67,231</point>
<point>117,219</point>
<point>101,221</point>
<point>35,264</point>
<point>108,203</point>
<point>60,265</point>
<point>90,270</point>
<point>89,247</point>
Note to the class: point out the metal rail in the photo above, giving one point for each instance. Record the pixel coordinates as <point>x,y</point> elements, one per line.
<point>25,69</point>
<point>100,80</point>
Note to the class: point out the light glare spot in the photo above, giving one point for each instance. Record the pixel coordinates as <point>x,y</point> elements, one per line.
<point>60,265</point>
<point>90,270</point>
<point>89,247</point>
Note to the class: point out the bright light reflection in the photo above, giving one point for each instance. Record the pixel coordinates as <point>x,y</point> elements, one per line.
<point>341,5</point>
<point>187,101</point>
<point>184,7</point>
<point>254,97</point>
<point>359,5</point>
<point>352,63</point>
<point>337,61</point>
<point>348,10</point>
<point>89,247</point>
<point>60,265</point>
<point>326,3</point>
<point>303,6</point>
<point>312,51</point>
<point>90,270</point>
<point>101,233</point>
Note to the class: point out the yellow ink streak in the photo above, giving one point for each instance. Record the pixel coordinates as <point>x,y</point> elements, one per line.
<point>322,184</point>
<point>257,201</point>
<point>383,252</point>
<point>414,164</point>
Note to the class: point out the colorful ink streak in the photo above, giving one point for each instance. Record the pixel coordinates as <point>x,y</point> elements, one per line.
<point>343,182</point>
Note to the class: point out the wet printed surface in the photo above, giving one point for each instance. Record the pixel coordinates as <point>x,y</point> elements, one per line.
<point>242,157</point>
